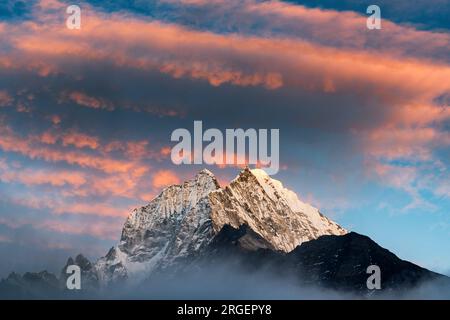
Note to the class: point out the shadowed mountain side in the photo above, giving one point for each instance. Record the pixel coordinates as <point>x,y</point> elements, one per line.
<point>333,262</point>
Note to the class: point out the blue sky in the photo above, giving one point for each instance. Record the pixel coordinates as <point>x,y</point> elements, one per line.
<point>86,115</point>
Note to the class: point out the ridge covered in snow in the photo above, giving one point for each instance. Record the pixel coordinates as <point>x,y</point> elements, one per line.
<point>198,232</point>
<point>184,219</point>
<point>273,213</point>
<point>172,226</point>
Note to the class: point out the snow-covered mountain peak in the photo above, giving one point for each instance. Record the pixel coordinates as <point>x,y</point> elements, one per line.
<point>276,191</point>
<point>173,225</point>
<point>205,172</point>
<point>279,220</point>
<point>184,219</point>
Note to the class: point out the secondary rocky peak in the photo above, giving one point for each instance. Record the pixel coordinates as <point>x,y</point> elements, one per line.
<point>173,225</point>
<point>169,208</point>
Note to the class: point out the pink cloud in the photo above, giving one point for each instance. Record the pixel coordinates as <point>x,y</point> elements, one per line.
<point>49,138</point>
<point>5,98</point>
<point>309,58</point>
<point>91,209</point>
<point>80,140</point>
<point>108,229</point>
<point>54,178</point>
<point>55,119</point>
<point>89,101</point>
<point>69,206</point>
<point>406,143</point>
<point>104,230</point>
<point>166,151</point>
<point>164,178</point>
<point>12,143</point>
<point>245,60</point>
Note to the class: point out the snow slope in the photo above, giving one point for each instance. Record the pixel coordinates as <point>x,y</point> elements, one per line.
<point>272,212</point>
<point>183,220</point>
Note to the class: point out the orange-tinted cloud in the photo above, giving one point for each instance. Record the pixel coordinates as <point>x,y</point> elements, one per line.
<point>80,140</point>
<point>123,185</point>
<point>407,143</point>
<point>5,98</point>
<point>54,178</point>
<point>333,55</point>
<point>398,177</point>
<point>104,230</point>
<point>89,101</point>
<point>165,151</point>
<point>55,119</point>
<point>13,143</point>
<point>48,138</point>
<point>91,209</point>
<point>137,149</point>
<point>108,228</point>
<point>164,178</point>
<point>239,60</point>
<point>69,206</point>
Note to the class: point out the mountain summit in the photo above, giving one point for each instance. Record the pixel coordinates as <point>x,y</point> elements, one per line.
<point>274,214</point>
<point>185,218</point>
<point>199,236</point>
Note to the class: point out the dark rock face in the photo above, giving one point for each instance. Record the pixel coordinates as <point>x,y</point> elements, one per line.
<point>341,262</point>
<point>334,262</point>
